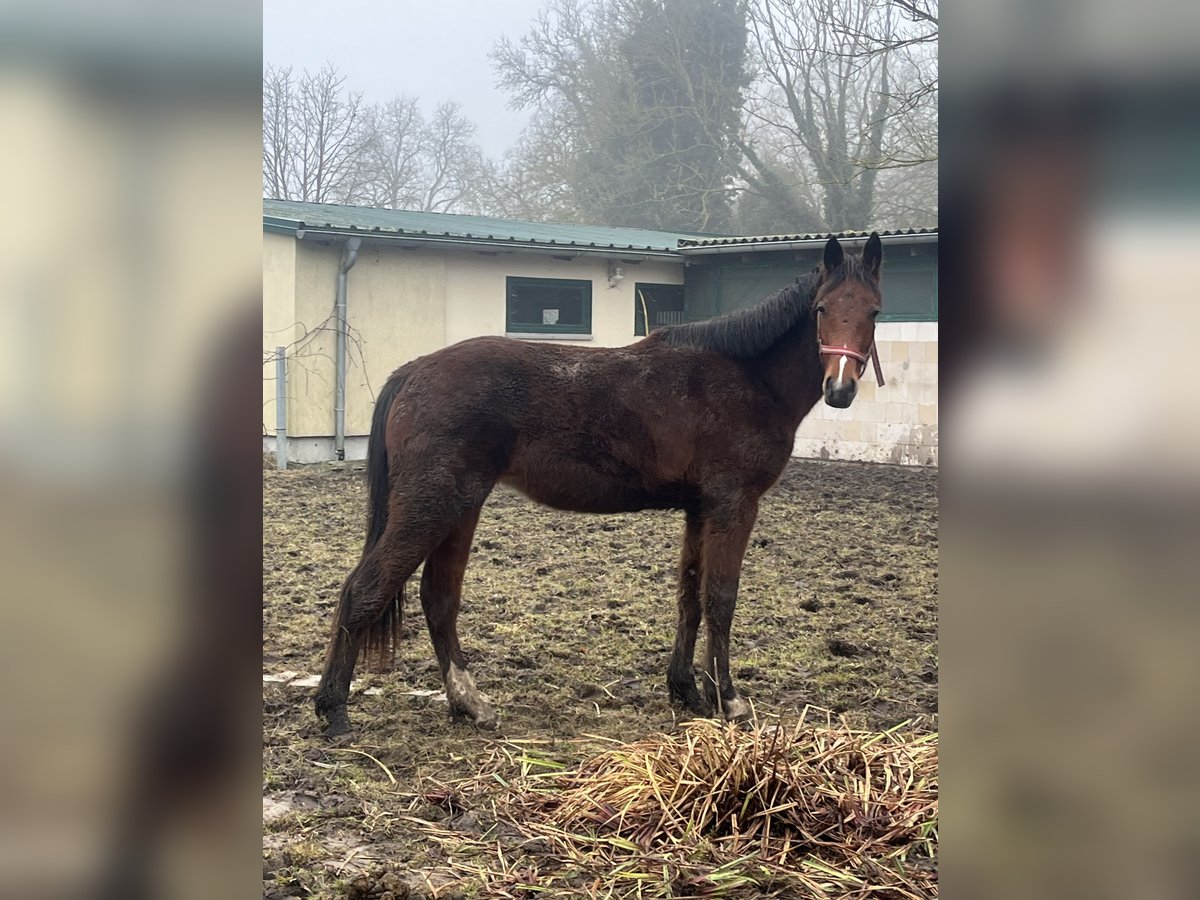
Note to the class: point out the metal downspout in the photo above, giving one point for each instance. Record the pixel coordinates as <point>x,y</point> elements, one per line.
<point>349,258</point>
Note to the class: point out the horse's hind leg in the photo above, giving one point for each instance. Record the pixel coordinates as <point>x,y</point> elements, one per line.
<point>441,596</point>
<point>368,615</point>
<point>367,609</point>
<point>681,680</point>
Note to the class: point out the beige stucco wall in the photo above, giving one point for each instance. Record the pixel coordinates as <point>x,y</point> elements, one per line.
<point>402,304</point>
<point>897,423</point>
<point>279,311</point>
<point>395,311</point>
<point>475,286</point>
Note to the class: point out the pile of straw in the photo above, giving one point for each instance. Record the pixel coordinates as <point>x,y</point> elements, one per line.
<point>810,810</point>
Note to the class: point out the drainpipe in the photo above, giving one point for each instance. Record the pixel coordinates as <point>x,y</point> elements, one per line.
<point>349,258</point>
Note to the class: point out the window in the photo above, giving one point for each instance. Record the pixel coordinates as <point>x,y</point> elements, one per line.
<point>549,306</point>
<point>663,304</point>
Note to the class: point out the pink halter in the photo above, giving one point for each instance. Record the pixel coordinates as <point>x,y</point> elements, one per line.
<point>827,350</point>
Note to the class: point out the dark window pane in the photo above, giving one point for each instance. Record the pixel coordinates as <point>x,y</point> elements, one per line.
<point>663,304</point>
<point>545,305</point>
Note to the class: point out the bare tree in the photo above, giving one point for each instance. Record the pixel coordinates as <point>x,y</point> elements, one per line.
<point>279,91</point>
<point>331,138</point>
<point>764,115</point>
<point>918,41</point>
<point>565,70</point>
<point>452,161</point>
<point>907,196</point>
<point>838,94</point>
<point>322,144</point>
<point>393,155</point>
<point>313,137</point>
<point>912,46</point>
<point>775,195</point>
<point>533,181</point>
<point>641,102</point>
<point>643,116</point>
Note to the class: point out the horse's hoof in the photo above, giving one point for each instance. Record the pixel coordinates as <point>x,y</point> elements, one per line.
<point>697,711</point>
<point>466,700</point>
<point>487,719</point>
<point>339,732</point>
<point>738,712</point>
<point>690,702</point>
<point>336,719</point>
<point>481,716</point>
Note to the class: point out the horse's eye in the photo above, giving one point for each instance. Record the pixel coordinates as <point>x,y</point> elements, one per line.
<point>821,308</point>
<point>874,314</point>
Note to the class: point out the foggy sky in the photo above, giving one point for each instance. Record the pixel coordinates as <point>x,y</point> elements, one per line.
<point>434,49</point>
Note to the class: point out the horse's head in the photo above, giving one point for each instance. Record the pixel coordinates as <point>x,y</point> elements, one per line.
<point>846,304</point>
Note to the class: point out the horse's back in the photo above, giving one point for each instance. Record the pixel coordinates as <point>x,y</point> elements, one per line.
<point>578,428</point>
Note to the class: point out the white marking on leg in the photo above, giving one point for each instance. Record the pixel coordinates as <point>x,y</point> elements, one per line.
<point>737,710</point>
<point>465,696</point>
<point>460,686</point>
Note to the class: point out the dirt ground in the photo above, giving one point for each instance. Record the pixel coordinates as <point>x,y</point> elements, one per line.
<point>568,622</point>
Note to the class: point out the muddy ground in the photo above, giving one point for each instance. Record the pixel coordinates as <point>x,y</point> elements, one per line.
<point>568,622</point>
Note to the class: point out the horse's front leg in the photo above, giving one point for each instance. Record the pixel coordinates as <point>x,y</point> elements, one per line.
<point>680,679</point>
<point>724,537</point>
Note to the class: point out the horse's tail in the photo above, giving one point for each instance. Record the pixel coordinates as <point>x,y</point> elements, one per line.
<point>379,643</point>
<point>378,477</point>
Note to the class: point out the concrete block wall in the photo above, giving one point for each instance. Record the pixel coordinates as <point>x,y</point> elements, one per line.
<point>897,423</point>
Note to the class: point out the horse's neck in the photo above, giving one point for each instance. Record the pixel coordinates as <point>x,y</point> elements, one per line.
<point>791,369</point>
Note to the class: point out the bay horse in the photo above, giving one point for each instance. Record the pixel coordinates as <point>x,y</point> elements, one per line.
<point>699,417</point>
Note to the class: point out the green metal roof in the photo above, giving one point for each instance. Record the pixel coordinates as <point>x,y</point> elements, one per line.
<point>713,241</point>
<point>291,215</point>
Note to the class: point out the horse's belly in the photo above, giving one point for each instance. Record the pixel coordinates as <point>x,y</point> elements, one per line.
<point>593,494</point>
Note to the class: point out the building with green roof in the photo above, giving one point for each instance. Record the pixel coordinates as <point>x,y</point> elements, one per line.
<point>412,282</point>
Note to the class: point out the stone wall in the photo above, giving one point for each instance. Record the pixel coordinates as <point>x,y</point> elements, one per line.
<point>897,423</point>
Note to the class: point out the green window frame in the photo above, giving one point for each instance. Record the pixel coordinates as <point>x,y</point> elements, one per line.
<point>531,304</point>
<point>657,295</point>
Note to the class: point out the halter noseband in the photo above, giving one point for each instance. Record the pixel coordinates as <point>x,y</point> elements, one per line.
<point>862,358</point>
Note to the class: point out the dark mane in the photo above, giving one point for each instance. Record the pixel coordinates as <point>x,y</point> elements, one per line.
<point>750,332</point>
<point>747,332</point>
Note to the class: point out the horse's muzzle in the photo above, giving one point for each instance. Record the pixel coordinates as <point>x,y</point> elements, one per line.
<point>841,393</point>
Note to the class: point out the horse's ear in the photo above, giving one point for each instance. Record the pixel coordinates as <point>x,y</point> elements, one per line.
<point>872,254</point>
<point>833,255</point>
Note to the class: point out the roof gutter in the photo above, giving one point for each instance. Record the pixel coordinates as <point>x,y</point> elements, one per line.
<point>806,244</point>
<point>441,242</point>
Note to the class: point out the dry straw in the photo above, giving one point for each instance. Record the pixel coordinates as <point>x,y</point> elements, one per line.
<point>815,809</point>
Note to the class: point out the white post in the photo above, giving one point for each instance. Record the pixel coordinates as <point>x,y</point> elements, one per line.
<point>281,448</point>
